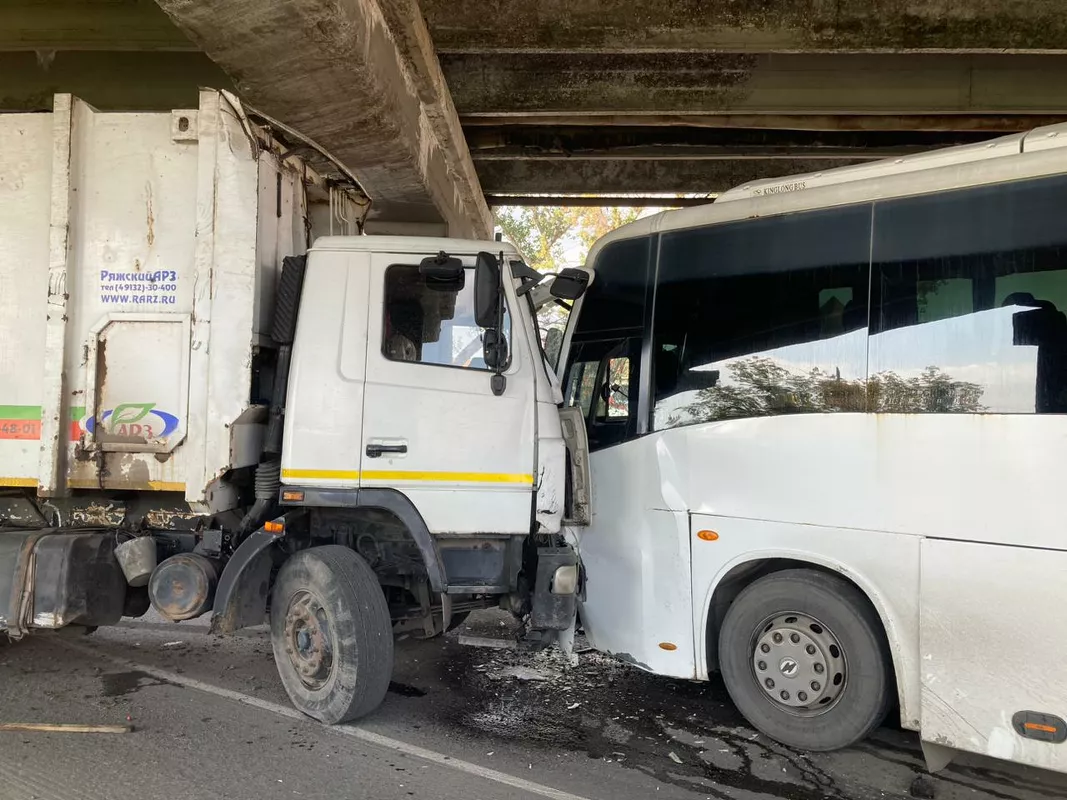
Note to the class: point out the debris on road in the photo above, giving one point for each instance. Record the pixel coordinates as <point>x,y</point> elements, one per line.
<point>923,787</point>
<point>46,727</point>
<point>674,757</point>
<point>520,673</point>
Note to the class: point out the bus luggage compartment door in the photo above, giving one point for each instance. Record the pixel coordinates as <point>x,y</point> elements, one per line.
<point>992,651</point>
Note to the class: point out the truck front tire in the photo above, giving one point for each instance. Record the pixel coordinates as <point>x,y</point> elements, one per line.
<point>331,634</point>
<point>804,659</point>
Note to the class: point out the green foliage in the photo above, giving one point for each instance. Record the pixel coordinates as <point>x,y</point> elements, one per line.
<point>543,233</point>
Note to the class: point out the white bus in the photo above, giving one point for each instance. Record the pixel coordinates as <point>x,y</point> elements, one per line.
<point>827,419</point>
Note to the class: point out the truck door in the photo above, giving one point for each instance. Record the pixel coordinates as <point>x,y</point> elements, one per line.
<point>432,426</point>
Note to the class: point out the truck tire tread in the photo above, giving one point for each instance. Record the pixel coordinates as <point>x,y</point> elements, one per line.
<point>360,626</point>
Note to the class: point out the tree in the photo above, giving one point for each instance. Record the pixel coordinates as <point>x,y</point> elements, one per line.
<point>552,237</point>
<point>540,232</point>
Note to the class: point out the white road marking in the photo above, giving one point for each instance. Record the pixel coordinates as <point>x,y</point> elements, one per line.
<point>344,730</point>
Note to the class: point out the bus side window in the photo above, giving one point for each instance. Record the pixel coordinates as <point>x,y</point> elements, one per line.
<point>614,391</point>
<point>969,295</point>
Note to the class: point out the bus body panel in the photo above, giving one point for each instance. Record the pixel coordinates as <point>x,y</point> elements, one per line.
<point>992,647</point>
<point>634,555</point>
<point>947,476</point>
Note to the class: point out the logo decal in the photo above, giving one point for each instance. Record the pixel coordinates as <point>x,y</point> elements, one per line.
<point>134,420</point>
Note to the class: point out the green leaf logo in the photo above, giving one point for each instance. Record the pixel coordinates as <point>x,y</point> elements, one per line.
<point>130,412</point>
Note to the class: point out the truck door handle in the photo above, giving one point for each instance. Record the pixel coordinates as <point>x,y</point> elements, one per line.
<point>378,450</point>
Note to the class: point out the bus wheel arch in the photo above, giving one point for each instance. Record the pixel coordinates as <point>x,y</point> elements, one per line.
<point>737,577</point>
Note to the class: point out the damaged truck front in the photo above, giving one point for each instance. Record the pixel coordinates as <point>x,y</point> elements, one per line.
<point>217,397</point>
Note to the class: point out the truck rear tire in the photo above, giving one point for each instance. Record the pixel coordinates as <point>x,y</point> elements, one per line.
<point>331,634</point>
<point>804,659</point>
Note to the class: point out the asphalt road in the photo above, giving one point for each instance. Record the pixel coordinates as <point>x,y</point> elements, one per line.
<point>211,721</point>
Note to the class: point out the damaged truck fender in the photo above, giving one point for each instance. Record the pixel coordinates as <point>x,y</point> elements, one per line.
<point>241,597</point>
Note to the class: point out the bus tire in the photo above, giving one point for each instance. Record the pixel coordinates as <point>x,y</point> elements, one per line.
<point>331,634</point>
<point>804,659</point>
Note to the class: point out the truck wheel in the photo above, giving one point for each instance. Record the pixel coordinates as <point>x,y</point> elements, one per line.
<point>331,634</point>
<point>804,659</point>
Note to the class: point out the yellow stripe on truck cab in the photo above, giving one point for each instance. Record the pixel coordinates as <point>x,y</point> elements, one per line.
<point>408,475</point>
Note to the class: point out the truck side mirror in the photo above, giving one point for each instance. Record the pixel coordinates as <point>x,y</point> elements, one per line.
<point>570,284</point>
<point>487,297</point>
<point>442,273</point>
<point>494,350</point>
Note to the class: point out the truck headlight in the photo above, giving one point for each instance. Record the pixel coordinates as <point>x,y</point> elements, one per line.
<point>565,580</point>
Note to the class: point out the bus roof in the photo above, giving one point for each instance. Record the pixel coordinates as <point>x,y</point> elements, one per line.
<point>1042,151</point>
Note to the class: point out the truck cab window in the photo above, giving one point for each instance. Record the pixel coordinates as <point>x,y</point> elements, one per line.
<point>432,325</point>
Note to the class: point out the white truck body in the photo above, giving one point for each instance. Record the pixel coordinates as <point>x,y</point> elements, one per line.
<point>140,256</point>
<point>217,396</point>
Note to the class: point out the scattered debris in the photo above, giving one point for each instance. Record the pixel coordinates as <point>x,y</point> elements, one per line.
<point>573,706</point>
<point>923,787</point>
<point>674,757</point>
<point>46,727</point>
<point>488,642</point>
<point>520,673</point>
<point>178,643</point>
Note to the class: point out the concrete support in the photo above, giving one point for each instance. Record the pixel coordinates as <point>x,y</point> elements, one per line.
<point>370,93</point>
<point>757,84</point>
<point>124,25</point>
<point>603,176</point>
<point>165,80</point>
<point>506,142</point>
<point>593,121</point>
<point>752,26</point>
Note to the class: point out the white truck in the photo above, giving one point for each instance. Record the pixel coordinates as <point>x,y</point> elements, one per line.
<point>201,412</point>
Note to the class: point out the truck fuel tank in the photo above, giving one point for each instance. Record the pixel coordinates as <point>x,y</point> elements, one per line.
<point>52,578</point>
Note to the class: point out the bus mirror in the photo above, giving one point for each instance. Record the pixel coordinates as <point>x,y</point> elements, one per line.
<point>487,297</point>
<point>442,273</point>
<point>570,284</point>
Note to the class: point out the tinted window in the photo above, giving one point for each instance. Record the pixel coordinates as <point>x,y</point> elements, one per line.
<point>431,326</point>
<point>762,317</point>
<point>970,289</point>
<point>616,298</point>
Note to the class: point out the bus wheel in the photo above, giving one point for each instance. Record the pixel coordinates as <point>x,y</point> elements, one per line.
<point>331,634</point>
<point>804,660</point>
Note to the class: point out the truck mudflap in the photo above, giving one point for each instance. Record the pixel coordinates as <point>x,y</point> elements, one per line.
<point>52,578</point>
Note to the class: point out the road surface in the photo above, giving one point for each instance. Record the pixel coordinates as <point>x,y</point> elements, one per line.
<point>212,721</point>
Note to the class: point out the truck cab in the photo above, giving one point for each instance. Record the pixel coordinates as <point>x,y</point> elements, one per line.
<point>423,456</point>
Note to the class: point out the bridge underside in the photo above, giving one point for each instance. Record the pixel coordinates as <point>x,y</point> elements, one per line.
<point>439,105</point>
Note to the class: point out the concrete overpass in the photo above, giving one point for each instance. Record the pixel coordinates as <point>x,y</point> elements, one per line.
<point>437,104</point>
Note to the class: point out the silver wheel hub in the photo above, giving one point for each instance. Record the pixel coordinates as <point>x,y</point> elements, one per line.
<point>799,663</point>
